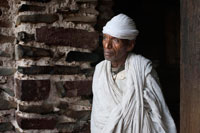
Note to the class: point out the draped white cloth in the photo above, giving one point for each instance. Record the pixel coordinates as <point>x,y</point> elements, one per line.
<point>121,26</point>
<point>139,109</point>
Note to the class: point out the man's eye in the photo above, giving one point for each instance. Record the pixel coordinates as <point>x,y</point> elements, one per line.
<point>115,40</point>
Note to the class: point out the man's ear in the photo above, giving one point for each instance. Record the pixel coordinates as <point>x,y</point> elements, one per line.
<point>131,45</point>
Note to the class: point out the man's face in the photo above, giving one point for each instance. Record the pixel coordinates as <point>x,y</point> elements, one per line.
<point>114,48</point>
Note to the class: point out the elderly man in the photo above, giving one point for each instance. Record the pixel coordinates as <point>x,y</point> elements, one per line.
<point>126,93</point>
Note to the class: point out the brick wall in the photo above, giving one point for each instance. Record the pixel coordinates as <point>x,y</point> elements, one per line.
<point>46,51</point>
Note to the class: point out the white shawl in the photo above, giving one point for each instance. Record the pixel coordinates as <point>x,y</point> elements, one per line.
<point>140,109</point>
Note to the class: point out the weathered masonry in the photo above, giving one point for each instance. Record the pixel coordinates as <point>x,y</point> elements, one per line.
<point>46,51</point>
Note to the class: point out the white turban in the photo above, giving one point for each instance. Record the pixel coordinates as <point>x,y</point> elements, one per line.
<point>122,27</point>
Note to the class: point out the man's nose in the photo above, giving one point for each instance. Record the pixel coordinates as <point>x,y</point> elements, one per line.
<point>108,44</point>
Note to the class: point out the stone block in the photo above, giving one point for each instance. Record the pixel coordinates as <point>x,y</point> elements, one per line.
<point>78,115</point>
<point>4,54</point>
<point>85,19</point>
<point>31,52</point>
<point>7,115</point>
<point>6,71</point>
<point>0,12</point>
<point>36,123</point>
<point>3,79</point>
<point>4,3</point>
<point>74,88</point>
<point>7,126</point>
<point>32,90</point>
<point>55,70</point>
<point>40,109</point>
<point>37,18</point>
<point>8,91</point>
<point>67,11</point>
<point>35,8</point>
<point>78,127</point>
<point>43,1</point>
<point>5,39</point>
<point>81,56</point>
<point>84,1</point>
<point>6,104</point>
<point>68,37</point>
<point>25,37</point>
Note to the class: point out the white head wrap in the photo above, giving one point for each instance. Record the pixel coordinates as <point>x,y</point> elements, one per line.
<point>122,27</point>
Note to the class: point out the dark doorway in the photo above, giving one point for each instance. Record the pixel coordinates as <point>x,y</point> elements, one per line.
<point>159,40</point>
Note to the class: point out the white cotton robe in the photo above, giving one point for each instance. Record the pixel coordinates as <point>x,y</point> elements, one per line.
<point>140,108</point>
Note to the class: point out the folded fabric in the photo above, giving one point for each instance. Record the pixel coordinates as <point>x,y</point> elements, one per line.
<point>139,109</point>
<point>121,26</point>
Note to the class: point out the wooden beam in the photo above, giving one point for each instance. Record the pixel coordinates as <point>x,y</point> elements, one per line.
<point>190,66</point>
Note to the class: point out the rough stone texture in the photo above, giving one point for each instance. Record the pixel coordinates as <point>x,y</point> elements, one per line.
<point>78,127</point>
<point>31,30</point>
<point>31,52</point>
<point>4,39</point>
<point>35,8</point>
<point>78,18</point>
<point>7,126</point>
<point>5,24</point>
<point>8,91</point>
<point>81,56</point>
<point>74,88</point>
<point>62,70</point>
<point>1,63</point>
<point>88,10</point>
<point>6,104</point>
<point>67,37</point>
<point>4,54</point>
<point>25,37</point>
<point>7,115</point>
<point>32,90</point>
<point>105,13</point>
<point>43,1</point>
<point>40,109</point>
<point>3,79</point>
<point>86,0</point>
<point>78,115</point>
<point>36,123</point>
<point>4,3</point>
<point>7,71</point>
<point>37,18</point>
<point>0,12</point>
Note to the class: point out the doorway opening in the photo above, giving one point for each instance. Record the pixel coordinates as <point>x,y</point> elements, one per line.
<point>158,23</point>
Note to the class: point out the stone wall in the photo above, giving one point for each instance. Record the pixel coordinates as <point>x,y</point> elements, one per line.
<point>46,51</point>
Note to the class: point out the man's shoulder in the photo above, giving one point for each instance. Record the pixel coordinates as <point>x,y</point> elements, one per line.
<point>100,64</point>
<point>138,58</point>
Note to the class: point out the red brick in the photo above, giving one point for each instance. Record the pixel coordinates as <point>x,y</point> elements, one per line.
<point>32,90</point>
<point>36,123</point>
<point>67,37</point>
